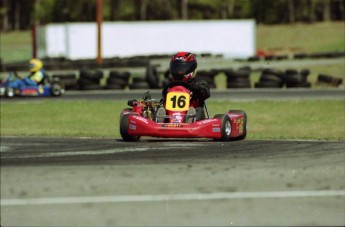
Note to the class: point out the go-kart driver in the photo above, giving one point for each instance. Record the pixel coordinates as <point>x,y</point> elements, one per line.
<point>36,77</point>
<point>183,70</point>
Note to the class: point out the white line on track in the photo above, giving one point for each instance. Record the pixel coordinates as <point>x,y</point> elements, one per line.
<point>81,153</point>
<point>170,197</point>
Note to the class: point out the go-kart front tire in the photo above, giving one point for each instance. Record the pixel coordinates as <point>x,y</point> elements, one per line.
<point>124,125</point>
<point>225,127</point>
<point>9,92</point>
<point>56,89</point>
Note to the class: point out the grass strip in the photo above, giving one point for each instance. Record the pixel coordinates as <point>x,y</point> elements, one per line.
<point>295,119</point>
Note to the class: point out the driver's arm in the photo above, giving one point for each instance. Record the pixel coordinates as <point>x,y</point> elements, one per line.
<point>37,76</point>
<point>200,89</point>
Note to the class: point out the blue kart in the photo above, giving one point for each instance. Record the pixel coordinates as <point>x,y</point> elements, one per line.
<point>46,88</point>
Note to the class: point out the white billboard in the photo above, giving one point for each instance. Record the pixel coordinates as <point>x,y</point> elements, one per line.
<point>231,38</point>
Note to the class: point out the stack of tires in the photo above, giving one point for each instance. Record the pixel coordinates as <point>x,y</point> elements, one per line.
<point>167,78</point>
<point>117,80</point>
<point>239,78</point>
<point>270,78</point>
<point>297,79</point>
<point>139,83</point>
<point>208,76</point>
<point>152,76</point>
<point>151,80</point>
<point>90,79</point>
<point>69,80</point>
<point>329,80</point>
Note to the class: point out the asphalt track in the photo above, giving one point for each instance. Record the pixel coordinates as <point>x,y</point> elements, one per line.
<point>156,182</point>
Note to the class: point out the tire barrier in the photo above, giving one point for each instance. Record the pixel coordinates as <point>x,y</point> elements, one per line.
<point>59,63</point>
<point>167,78</point>
<point>207,76</point>
<point>239,78</point>
<point>329,80</point>
<point>90,79</point>
<point>68,80</point>
<point>139,83</point>
<point>291,78</point>
<point>267,55</point>
<point>152,77</point>
<point>270,78</point>
<point>296,79</point>
<point>117,80</point>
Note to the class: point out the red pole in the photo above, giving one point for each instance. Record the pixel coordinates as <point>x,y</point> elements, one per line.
<point>34,40</point>
<point>99,30</point>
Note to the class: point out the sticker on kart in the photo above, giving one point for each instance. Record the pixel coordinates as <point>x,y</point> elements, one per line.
<point>177,101</point>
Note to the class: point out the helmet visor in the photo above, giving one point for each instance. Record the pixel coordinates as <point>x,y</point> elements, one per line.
<point>182,68</point>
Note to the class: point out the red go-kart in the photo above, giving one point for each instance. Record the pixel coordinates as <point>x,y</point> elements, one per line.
<point>141,120</point>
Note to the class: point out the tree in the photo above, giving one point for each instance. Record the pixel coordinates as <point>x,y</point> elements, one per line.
<point>21,14</point>
<point>291,10</point>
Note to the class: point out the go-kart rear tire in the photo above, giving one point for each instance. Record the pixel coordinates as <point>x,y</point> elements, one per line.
<point>225,127</point>
<point>124,130</point>
<point>56,89</point>
<point>243,136</point>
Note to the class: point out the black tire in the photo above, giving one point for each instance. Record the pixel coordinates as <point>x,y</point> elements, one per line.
<point>225,127</point>
<point>295,78</point>
<point>114,87</point>
<point>90,87</point>
<point>269,84</point>
<point>65,76</point>
<point>298,85</point>
<point>207,76</point>
<point>166,74</point>
<point>239,84</point>
<point>117,81</point>
<point>87,81</point>
<point>139,85</point>
<point>165,82</point>
<point>69,82</point>
<point>291,72</point>
<point>124,130</point>
<point>56,89</point>
<point>237,79</point>
<point>243,73</point>
<point>322,78</point>
<point>300,56</point>
<point>305,72</point>
<point>244,135</point>
<point>91,74</point>
<point>138,80</point>
<point>270,71</point>
<point>245,70</point>
<point>270,77</point>
<point>152,76</point>
<point>9,93</point>
<point>119,75</point>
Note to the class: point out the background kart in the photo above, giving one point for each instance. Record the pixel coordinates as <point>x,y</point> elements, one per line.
<point>47,88</point>
<point>141,120</point>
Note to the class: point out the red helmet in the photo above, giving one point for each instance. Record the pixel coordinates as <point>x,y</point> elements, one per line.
<point>183,66</point>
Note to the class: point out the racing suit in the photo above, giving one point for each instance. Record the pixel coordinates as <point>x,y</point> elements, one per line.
<point>33,79</point>
<point>200,92</point>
